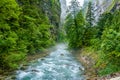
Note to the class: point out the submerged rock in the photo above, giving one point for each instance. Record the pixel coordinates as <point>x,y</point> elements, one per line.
<point>23,68</point>
<point>42,59</point>
<point>34,70</point>
<point>62,54</point>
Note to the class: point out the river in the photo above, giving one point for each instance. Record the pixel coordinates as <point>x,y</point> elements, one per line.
<point>58,65</point>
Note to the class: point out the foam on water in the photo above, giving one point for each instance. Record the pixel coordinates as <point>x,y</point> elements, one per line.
<point>59,65</point>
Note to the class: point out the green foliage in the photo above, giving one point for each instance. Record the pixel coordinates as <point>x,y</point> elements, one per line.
<point>102,22</point>
<point>104,37</point>
<point>90,15</point>
<point>61,35</point>
<point>75,29</point>
<point>110,43</point>
<point>90,30</point>
<point>36,25</point>
<point>109,69</point>
<point>9,38</point>
<point>11,60</point>
<point>25,28</point>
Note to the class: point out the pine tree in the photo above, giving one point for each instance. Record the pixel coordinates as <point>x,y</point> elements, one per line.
<point>80,28</point>
<point>10,54</point>
<point>74,7</point>
<point>110,43</point>
<point>90,15</point>
<point>75,29</point>
<point>89,29</point>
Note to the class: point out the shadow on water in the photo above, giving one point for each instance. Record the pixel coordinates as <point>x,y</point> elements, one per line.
<point>59,65</point>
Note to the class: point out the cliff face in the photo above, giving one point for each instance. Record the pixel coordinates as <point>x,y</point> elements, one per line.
<point>63,10</point>
<point>102,6</point>
<point>52,9</point>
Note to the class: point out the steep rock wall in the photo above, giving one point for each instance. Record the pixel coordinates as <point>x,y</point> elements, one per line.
<point>63,11</point>
<point>102,6</point>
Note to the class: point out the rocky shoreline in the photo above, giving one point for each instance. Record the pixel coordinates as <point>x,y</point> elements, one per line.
<point>85,60</point>
<point>10,75</point>
<point>88,61</point>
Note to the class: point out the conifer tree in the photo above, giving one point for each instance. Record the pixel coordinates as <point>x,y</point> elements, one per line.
<point>75,25</point>
<point>90,15</point>
<point>89,29</point>
<point>74,7</point>
<point>10,53</point>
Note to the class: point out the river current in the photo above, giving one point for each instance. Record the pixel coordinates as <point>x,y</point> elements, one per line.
<point>58,65</point>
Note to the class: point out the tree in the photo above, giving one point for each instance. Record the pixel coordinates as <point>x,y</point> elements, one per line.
<point>75,29</point>
<point>89,29</point>
<point>102,22</point>
<point>90,15</point>
<point>110,43</point>
<point>74,7</point>
<point>80,28</point>
<point>10,54</point>
<point>25,29</point>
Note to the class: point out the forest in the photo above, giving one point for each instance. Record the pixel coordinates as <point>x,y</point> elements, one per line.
<point>102,37</point>
<point>29,27</point>
<point>26,28</point>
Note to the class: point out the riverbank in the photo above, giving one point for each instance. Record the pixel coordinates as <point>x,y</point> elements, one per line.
<point>10,75</point>
<point>88,59</point>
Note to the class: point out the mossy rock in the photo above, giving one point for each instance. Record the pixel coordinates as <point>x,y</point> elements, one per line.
<point>42,59</point>
<point>23,68</point>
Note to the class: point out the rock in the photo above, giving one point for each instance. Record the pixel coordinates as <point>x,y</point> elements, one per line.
<point>81,68</point>
<point>42,59</point>
<point>13,77</point>
<point>62,54</point>
<point>117,78</point>
<point>23,68</point>
<point>34,70</point>
<point>25,65</point>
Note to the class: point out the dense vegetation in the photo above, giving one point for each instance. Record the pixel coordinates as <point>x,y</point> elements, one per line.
<point>26,27</point>
<point>109,42</point>
<point>74,26</point>
<point>29,26</point>
<point>103,36</point>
